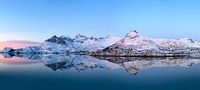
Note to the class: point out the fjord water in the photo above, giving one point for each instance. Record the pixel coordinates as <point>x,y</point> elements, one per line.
<point>61,72</point>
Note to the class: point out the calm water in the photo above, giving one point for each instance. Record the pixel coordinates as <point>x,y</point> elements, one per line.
<point>62,72</point>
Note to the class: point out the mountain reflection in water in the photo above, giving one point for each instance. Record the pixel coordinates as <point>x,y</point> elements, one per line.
<point>82,62</point>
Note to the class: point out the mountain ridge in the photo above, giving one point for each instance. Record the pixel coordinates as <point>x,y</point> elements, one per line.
<point>132,44</point>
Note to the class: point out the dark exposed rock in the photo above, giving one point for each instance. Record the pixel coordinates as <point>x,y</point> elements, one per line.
<point>59,40</point>
<point>8,50</point>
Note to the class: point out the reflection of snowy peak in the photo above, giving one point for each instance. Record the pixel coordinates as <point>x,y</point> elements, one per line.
<point>31,49</point>
<point>65,44</point>
<point>135,66</point>
<point>79,63</point>
<point>7,49</point>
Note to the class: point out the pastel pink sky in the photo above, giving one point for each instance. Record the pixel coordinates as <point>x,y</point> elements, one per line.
<point>17,44</point>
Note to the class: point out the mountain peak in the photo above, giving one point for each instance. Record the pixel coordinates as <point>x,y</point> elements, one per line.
<point>52,39</point>
<point>81,37</point>
<point>132,34</point>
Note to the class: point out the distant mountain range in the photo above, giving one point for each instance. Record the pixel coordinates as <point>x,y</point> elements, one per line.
<point>18,44</point>
<point>132,44</point>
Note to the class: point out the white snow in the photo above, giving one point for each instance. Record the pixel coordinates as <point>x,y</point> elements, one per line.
<point>132,40</point>
<point>31,49</point>
<point>190,42</point>
<point>79,43</point>
<point>135,41</point>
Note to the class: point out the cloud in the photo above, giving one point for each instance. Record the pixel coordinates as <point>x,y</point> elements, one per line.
<point>18,44</point>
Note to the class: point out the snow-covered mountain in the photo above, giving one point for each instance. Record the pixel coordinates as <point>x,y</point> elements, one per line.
<point>134,41</point>
<point>132,44</point>
<point>64,44</point>
<point>31,49</point>
<point>135,44</point>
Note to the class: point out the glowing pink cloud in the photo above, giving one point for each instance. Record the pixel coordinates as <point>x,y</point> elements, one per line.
<point>17,44</point>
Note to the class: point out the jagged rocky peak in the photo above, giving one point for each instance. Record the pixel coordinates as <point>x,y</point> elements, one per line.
<point>81,37</point>
<point>132,34</point>
<point>191,40</point>
<point>59,40</point>
<point>132,41</point>
<point>133,38</point>
<point>188,40</point>
<point>52,39</point>
<point>31,49</point>
<point>93,38</point>
<point>108,36</point>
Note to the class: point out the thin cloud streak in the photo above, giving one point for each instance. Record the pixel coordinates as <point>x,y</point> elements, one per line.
<point>18,44</point>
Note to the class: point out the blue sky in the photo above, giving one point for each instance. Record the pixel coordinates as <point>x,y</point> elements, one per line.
<point>37,20</point>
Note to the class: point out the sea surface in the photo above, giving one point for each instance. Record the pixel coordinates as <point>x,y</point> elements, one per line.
<point>72,72</point>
